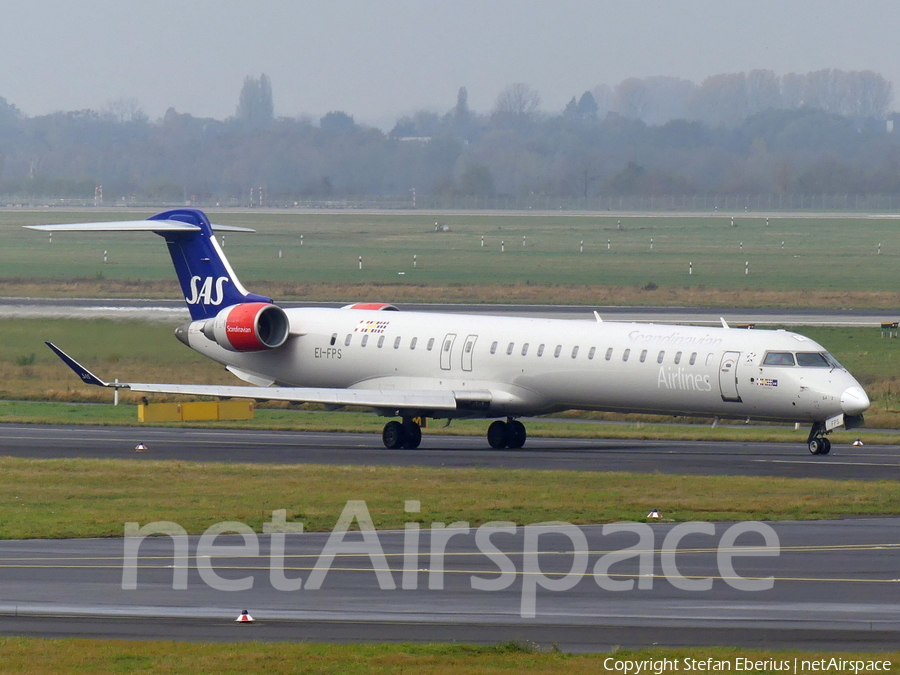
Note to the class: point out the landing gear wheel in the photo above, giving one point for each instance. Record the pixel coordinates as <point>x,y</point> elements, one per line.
<point>393,435</point>
<point>498,435</point>
<point>819,446</point>
<point>516,434</point>
<point>412,435</point>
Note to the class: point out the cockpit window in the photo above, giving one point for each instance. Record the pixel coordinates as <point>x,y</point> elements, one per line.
<point>833,362</point>
<point>779,359</point>
<point>812,360</point>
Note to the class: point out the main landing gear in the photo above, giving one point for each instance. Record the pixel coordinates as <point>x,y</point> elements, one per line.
<point>406,434</point>
<point>509,434</point>
<point>817,443</point>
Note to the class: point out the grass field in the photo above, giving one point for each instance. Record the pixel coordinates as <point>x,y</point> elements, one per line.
<point>62,498</point>
<point>829,261</point>
<point>27,656</point>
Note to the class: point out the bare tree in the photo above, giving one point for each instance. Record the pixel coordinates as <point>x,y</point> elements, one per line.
<point>721,100</point>
<point>604,97</point>
<point>632,98</point>
<point>793,94</point>
<point>869,94</point>
<point>518,100</point>
<point>763,91</point>
<point>125,109</point>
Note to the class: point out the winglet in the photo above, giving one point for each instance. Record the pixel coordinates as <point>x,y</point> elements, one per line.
<point>87,376</point>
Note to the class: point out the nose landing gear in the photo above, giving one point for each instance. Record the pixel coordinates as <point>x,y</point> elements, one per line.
<point>817,443</point>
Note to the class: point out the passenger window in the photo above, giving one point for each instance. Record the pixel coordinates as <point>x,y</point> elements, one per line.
<point>574,352</point>
<point>525,349</point>
<point>693,358</point>
<point>812,360</point>
<point>347,339</point>
<point>412,344</point>
<point>779,359</point>
<point>643,356</point>
<point>609,353</point>
<point>591,353</point>
<point>494,348</point>
<point>557,351</point>
<point>660,357</point>
<point>380,341</point>
<point>509,348</point>
<point>333,339</point>
<point>397,342</point>
<point>540,350</point>
<point>365,339</point>
<point>430,344</point>
<point>626,354</point>
<point>677,358</point>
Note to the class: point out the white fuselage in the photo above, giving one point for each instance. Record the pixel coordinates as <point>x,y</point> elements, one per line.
<point>532,366</point>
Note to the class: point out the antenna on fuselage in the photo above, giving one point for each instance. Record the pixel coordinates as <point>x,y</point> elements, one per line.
<point>724,323</point>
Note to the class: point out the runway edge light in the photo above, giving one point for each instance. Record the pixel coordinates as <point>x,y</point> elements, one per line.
<point>654,513</point>
<point>857,443</point>
<point>140,447</point>
<point>244,617</point>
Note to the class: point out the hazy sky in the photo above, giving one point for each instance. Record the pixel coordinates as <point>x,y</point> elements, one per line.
<point>380,59</point>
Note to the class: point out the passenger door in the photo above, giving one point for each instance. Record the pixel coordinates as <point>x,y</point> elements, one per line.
<point>728,383</point>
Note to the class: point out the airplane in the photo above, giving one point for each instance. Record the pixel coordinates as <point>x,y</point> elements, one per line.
<point>418,365</point>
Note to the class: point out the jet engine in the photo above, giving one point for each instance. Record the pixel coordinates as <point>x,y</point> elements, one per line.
<point>248,327</point>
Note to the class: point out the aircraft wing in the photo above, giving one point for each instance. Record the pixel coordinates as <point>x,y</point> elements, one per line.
<point>374,398</point>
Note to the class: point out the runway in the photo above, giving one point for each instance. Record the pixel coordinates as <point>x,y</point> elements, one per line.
<point>832,586</point>
<point>789,460</point>
<point>174,311</point>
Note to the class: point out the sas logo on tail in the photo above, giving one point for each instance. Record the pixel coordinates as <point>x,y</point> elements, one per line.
<point>207,293</point>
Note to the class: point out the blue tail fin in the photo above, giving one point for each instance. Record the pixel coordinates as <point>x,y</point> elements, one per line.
<point>207,280</point>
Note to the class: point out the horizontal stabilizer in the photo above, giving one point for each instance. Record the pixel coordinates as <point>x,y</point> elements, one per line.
<point>134,226</point>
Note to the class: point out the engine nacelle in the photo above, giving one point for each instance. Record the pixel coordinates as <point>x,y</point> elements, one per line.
<point>248,327</point>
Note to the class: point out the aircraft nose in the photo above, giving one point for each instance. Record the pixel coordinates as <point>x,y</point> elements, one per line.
<point>854,401</point>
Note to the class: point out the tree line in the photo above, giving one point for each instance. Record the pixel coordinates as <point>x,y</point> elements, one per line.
<point>825,132</point>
